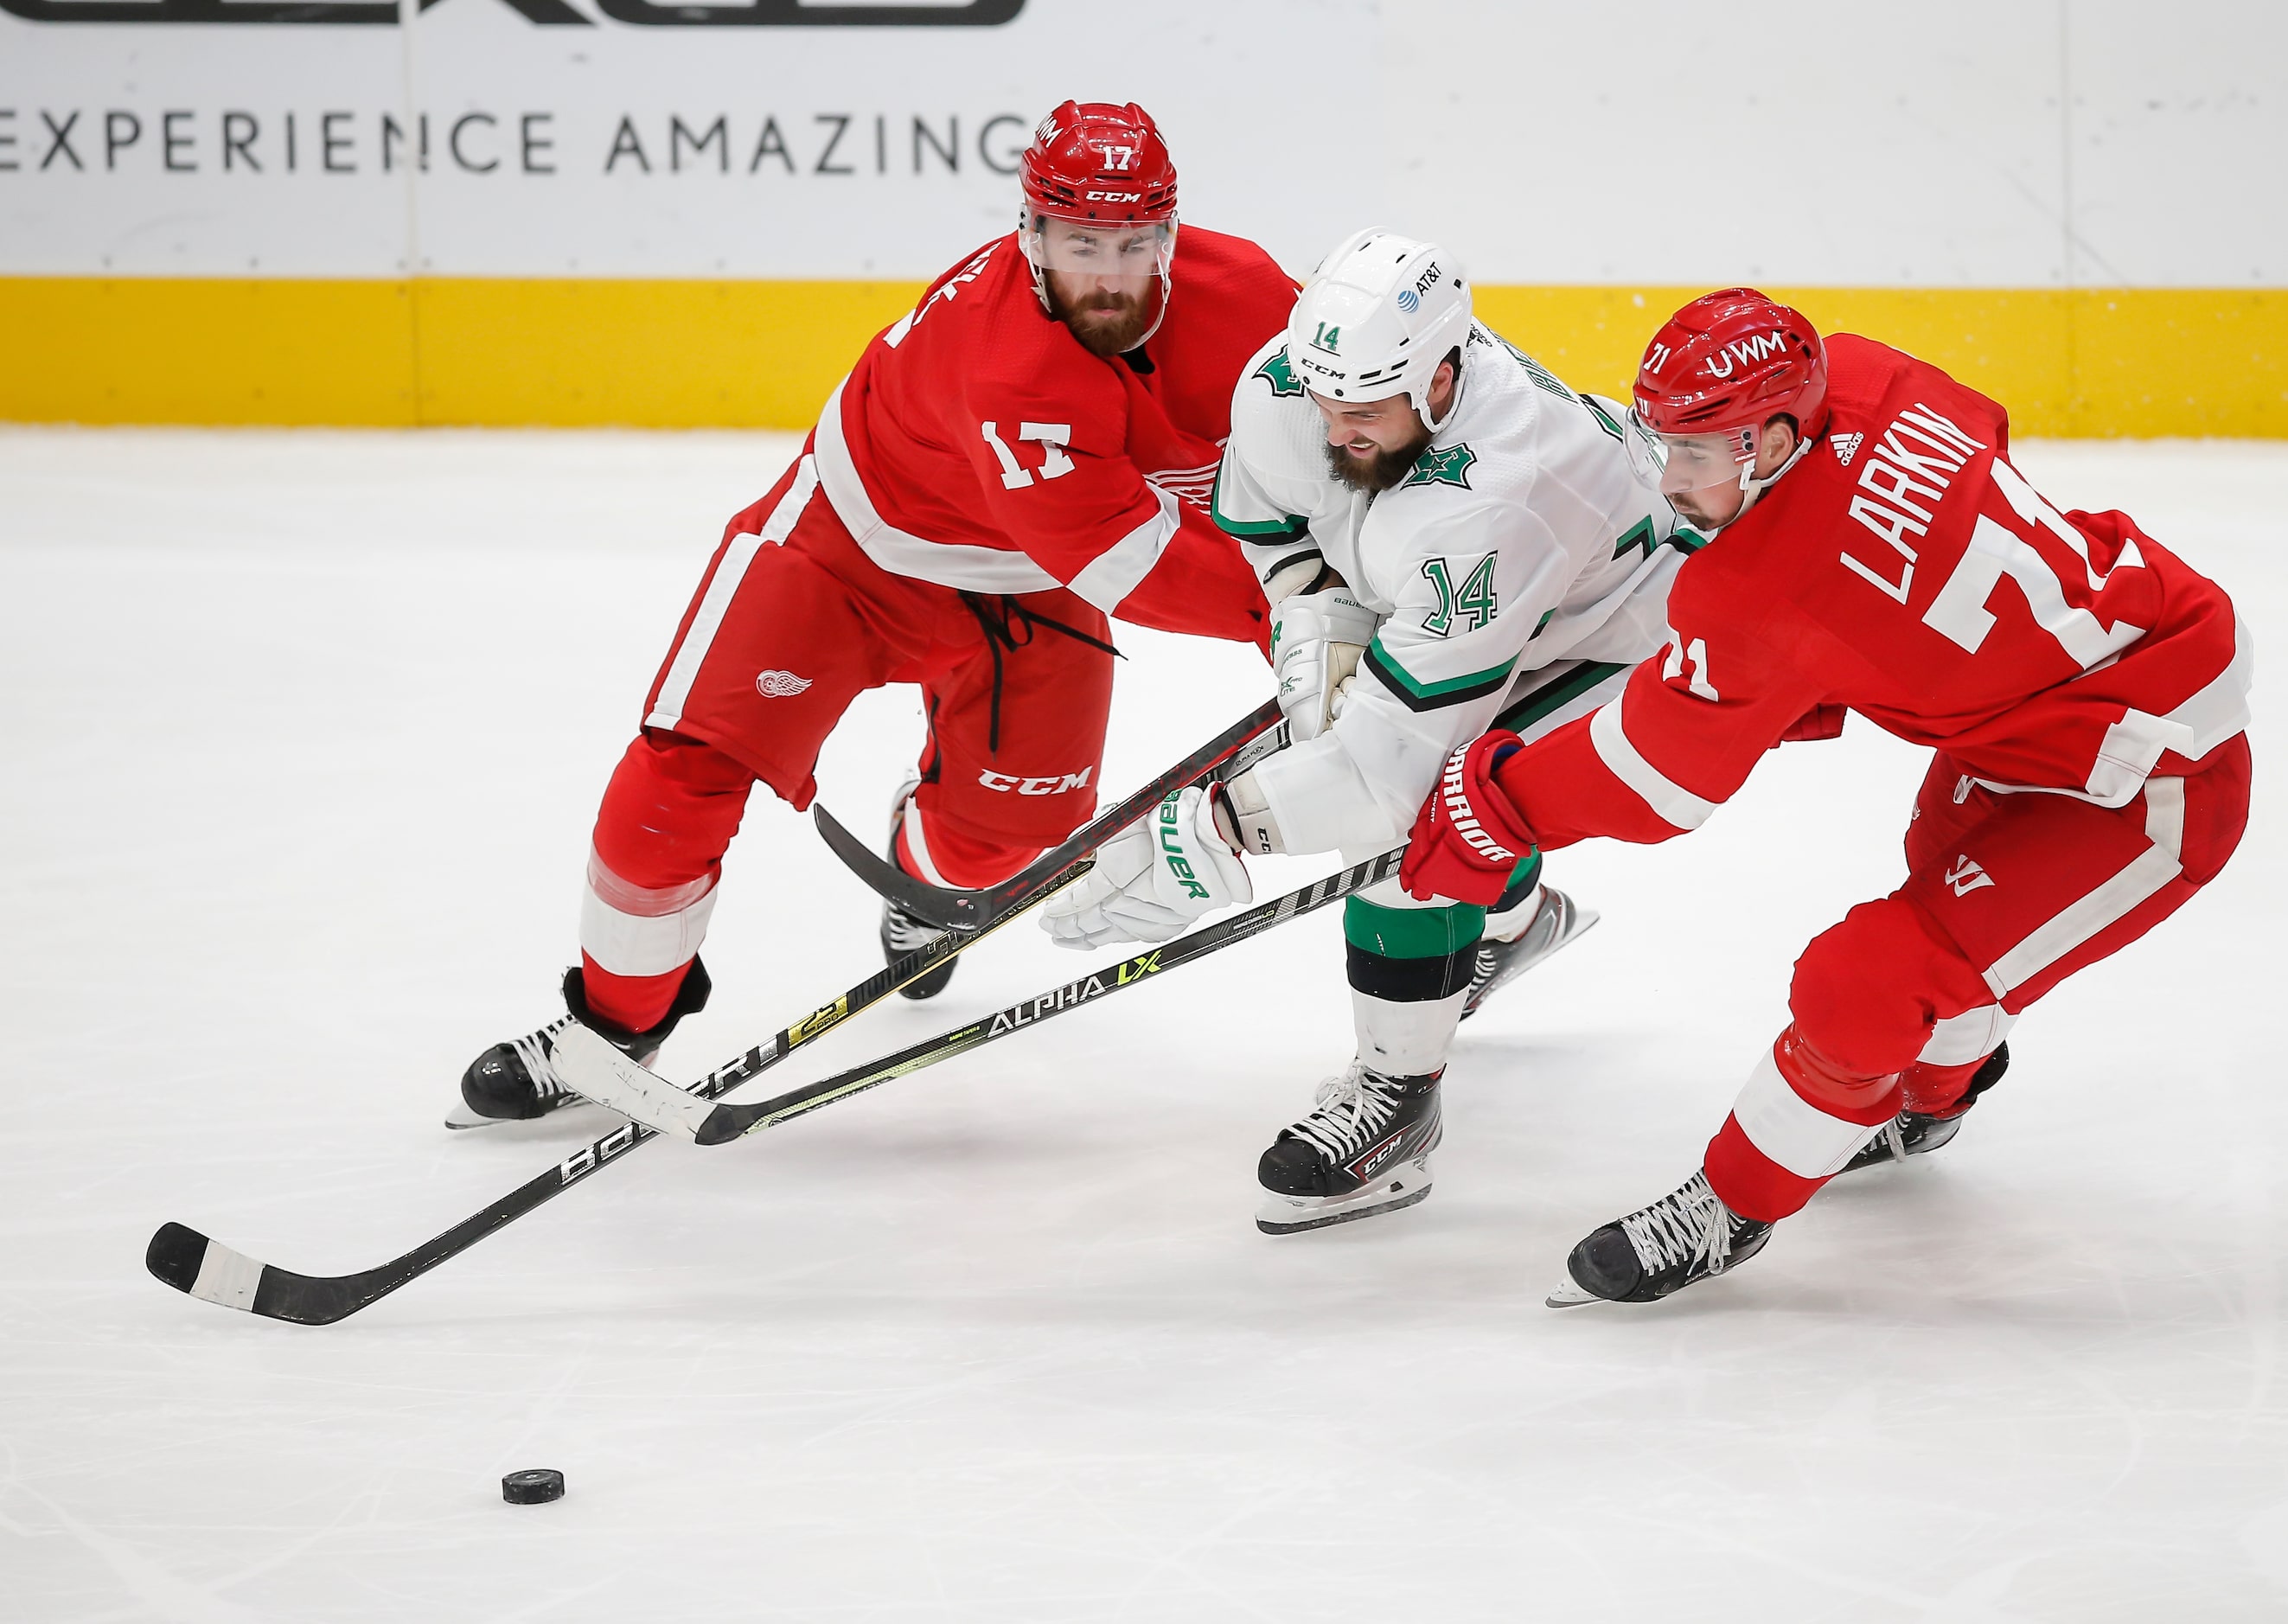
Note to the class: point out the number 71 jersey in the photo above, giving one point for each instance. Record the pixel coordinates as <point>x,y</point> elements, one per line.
<point>1906,569</point>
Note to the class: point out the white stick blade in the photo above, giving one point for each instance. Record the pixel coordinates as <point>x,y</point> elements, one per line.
<point>600,1072</point>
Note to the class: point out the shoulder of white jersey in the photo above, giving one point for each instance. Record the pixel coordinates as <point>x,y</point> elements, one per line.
<point>1548,427</point>
<point>1490,449</point>
<point>1274,428</point>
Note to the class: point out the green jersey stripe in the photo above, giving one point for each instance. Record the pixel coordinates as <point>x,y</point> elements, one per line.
<point>1294,524</point>
<point>1563,691</point>
<point>1435,696</point>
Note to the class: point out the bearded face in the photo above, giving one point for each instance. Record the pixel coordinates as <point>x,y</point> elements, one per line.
<point>1362,465</point>
<point>1107,320</point>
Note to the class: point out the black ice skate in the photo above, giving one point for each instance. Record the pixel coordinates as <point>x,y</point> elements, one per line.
<point>1686,1236</point>
<point>1914,1132</point>
<point>1364,1149</point>
<point>1514,943</point>
<point>517,1080</point>
<point>901,934</point>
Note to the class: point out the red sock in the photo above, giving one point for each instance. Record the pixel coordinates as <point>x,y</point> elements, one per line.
<point>1800,1119</point>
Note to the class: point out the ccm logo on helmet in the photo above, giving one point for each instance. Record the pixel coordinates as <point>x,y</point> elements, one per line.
<point>1746,352</point>
<point>1005,782</point>
<point>1465,818</point>
<point>1114,197</point>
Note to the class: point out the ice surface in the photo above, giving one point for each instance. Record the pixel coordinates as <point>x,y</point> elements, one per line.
<point>303,735</point>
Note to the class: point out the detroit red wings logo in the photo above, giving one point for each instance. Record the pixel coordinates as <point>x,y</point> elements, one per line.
<point>1195,486</point>
<point>779,684</point>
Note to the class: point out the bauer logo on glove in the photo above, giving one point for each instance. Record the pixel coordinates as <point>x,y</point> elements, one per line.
<point>1172,847</point>
<point>1154,881</point>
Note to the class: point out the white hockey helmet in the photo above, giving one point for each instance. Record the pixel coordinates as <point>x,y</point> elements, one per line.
<point>1378,316</point>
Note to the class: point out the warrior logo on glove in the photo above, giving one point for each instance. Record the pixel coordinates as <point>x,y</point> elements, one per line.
<point>1468,839</point>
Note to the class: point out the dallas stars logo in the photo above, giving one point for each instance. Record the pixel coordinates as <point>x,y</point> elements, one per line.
<point>1280,374</point>
<point>1442,466</point>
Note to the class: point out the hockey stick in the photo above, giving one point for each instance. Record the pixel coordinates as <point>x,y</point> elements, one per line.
<point>726,1122</point>
<point>181,1257</point>
<point>1244,743</point>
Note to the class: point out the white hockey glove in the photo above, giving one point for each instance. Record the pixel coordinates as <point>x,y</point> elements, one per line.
<point>1152,880</point>
<point>1317,640</point>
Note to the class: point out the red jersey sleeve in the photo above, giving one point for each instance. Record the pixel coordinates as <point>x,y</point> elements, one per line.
<point>1680,740</point>
<point>1055,475</point>
<point>1202,586</point>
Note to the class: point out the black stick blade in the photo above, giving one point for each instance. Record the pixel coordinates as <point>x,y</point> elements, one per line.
<point>721,1126</point>
<point>174,1256</point>
<point>948,910</point>
<point>183,1258</point>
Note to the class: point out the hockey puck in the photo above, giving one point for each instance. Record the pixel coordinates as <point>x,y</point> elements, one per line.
<point>535,1487</point>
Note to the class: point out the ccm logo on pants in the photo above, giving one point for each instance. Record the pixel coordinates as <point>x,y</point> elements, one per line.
<point>1005,782</point>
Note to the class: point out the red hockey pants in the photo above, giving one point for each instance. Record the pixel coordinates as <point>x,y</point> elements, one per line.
<point>790,622</point>
<point>2007,895</point>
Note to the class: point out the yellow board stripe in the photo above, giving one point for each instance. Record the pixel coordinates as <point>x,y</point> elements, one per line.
<point>764,355</point>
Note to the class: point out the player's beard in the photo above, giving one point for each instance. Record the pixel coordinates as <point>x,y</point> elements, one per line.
<point>1381,471</point>
<point>1106,322</point>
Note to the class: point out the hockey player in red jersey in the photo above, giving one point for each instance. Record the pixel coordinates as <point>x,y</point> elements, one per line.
<point>1028,452</point>
<point>2085,691</point>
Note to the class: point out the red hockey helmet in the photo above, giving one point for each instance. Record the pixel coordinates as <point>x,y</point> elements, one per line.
<point>1101,203</point>
<point>1730,362</point>
<point>1093,161</point>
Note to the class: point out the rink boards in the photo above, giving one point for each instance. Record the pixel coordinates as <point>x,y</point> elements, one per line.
<point>582,213</point>
<point>682,353</point>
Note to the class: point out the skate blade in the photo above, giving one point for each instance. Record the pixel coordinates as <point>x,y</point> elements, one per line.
<point>1576,923</point>
<point>461,1119</point>
<point>1569,1295</point>
<point>1293,1214</point>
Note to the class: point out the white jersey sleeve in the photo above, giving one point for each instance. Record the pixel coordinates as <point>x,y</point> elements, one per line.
<point>1474,579</point>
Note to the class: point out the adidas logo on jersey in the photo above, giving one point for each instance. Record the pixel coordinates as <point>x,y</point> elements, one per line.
<point>1847,447</point>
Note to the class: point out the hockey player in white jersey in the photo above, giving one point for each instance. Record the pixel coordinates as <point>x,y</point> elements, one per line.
<point>1450,540</point>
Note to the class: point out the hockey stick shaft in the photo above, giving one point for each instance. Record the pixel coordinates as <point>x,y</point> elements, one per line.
<point>730,1121</point>
<point>1254,735</point>
<point>191,1263</point>
<point>198,1266</point>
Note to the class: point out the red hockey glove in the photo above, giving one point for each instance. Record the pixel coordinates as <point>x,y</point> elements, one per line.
<point>1468,839</point>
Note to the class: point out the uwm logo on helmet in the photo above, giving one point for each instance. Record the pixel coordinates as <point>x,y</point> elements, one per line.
<point>1746,352</point>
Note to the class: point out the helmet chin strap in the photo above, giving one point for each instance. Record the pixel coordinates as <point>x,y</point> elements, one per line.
<point>1751,487</point>
<point>1422,405</point>
<point>1167,296</point>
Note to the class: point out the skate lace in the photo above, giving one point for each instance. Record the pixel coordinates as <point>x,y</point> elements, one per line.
<point>535,1052</point>
<point>1348,1110</point>
<point>1688,1225</point>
